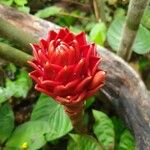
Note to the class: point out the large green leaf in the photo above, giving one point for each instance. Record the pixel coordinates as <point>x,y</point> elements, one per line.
<point>142,41</point>
<point>48,11</point>
<point>6,122</point>
<point>83,142</point>
<point>53,113</point>
<point>98,33</point>
<point>104,130</point>
<point>29,134</point>
<point>127,141</point>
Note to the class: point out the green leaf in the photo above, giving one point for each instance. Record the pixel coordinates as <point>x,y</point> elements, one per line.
<point>6,2</point>
<point>75,29</point>
<point>119,128</point>
<point>120,12</point>
<point>104,130</point>
<point>3,95</point>
<point>19,87</point>
<point>6,122</point>
<point>127,141</point>
<point>24,9</point>
<point>89,102</point>
<point>144,63</point>
<point>83,142</point>
<point>11,68</point>
<point>114,33</point>
<point>48,11</point>
<point>53,113</point>
<point>146,18</point>
<point>21,2</point>
<point>89,26</point>
<point>98,33</point>
<point>142,41</point>
<point>30,134</point>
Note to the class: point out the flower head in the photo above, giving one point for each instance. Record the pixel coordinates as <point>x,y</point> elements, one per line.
<point>66,67</point>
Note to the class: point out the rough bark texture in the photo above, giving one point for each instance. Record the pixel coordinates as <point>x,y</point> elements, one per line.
<point>123,86</point>
<point>135,12</point>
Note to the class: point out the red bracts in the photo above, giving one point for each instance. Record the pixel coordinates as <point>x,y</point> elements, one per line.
<point>66,67</point>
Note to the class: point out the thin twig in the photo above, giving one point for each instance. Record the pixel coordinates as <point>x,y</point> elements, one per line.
<point>96,11</point>
<point>99,10</point>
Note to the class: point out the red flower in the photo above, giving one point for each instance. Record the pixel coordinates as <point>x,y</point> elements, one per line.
<point>66,67</point>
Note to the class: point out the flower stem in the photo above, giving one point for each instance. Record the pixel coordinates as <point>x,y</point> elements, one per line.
<point>76,114</point>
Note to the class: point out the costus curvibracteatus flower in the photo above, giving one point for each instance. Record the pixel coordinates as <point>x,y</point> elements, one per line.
<point>66,67</point>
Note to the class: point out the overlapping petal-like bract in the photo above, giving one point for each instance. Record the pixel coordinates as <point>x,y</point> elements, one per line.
<point>66,67</point>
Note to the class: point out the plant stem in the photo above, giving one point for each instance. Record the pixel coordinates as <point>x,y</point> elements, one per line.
<point>99,11</point>
<point>14,55</point>
<point>76,114</point>
<point>134,15</point>
<point>96,11</point>
<point>16,35</point>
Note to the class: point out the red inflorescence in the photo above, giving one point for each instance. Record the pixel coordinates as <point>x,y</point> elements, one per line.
<point>66,67</point>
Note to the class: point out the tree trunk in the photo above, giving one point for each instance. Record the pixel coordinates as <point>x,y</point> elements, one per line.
<point>123,87</point>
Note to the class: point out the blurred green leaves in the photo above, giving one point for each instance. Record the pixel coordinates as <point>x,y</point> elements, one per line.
<point>19,4</point>
<point>17,88</point>
<point>48,11</point>
<point>98,33</point>
<point>146,18</point>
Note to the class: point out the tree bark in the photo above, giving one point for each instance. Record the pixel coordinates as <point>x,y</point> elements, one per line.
<point>134,15</point>
<point>123,87</point>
